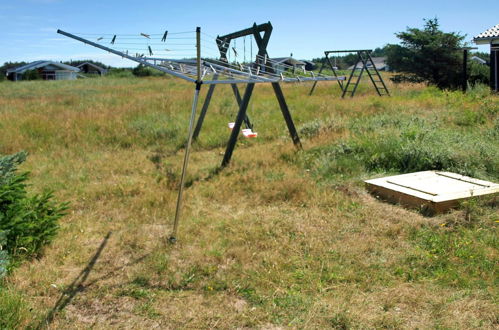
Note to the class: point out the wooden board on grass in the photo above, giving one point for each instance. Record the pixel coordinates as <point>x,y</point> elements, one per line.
<point>431,190</point>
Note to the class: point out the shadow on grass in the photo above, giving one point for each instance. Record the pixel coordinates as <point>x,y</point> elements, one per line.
<point>213,173</point>
<point>79,285</point>
<point>75,287</point>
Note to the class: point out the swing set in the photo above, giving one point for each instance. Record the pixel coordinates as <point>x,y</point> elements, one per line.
<point>363,63</point>
<point>212,70</point>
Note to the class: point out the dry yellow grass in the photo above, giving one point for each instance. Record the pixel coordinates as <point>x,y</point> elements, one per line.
<point>263,244</point>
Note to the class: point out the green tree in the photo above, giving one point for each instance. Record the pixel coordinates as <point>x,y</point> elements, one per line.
<point>32,75</point>
<point>427,55</point>
<point>27,221</point>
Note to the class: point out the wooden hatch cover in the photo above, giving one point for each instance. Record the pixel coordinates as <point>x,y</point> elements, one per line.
<point>432,190</point>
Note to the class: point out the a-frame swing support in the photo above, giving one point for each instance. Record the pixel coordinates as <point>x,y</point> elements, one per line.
<point>367,65</point>
<point>223,43</point>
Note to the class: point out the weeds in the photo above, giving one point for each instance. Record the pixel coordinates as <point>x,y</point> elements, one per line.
<point>278,238</point>
<point>402,145</point>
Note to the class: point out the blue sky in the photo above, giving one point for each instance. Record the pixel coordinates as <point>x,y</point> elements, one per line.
<point>304,28</point>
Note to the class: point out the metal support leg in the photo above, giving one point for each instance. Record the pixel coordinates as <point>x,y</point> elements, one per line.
<point>237,125</point>
<point>286,114</point>
<point>204,109</point>
<point>178,210</point>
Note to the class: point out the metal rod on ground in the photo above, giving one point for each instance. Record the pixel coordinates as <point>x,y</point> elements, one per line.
<point>173,237</point>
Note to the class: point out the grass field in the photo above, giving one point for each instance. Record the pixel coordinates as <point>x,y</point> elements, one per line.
<point>280,238</point>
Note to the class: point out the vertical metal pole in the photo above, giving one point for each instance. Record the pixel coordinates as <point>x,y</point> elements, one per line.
<point>173,237</point>
<point>198,49</point>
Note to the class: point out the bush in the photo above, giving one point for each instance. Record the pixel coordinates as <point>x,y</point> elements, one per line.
<point>144,71</point>
<point>32,75</point>
<point>27,223</point>
<point>120,73</point>
<point>479,74</point>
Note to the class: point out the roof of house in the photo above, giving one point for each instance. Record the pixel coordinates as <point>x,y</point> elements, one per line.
<point>379,62</point>
<point>288,60</point>
<point>92,65</point>
<point>41,64</point>
<point>490,34</point>
<point>478,59</point>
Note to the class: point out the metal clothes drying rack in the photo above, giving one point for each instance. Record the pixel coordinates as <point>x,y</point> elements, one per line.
<point>210,71</point>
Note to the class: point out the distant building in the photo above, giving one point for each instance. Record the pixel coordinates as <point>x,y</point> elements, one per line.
<point>281,64</point>
<point>491,37</point>
<point>479,60</point>
<point>379,63</point>
<point>90,68</point>
<point>47,70</point>
<point>309,65</point>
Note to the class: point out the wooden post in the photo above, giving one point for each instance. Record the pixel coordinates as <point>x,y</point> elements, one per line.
<point>465,70</point>
<point>494,67</point>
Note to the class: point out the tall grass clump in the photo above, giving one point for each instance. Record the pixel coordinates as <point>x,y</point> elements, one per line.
<point>27,222</point>
<point>400,144</point>
<point>13,309</point>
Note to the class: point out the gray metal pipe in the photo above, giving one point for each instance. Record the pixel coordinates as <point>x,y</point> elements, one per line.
<point>178,210</point>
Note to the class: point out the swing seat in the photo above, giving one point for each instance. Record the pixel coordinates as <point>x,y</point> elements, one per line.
<point>247,132</point>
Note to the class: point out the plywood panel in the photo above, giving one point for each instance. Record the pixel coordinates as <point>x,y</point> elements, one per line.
<point>435,190</point>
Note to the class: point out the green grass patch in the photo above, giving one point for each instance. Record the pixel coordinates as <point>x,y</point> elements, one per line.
<point>458,257</point>
<point>13,309</point>
<point>402,144</point>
